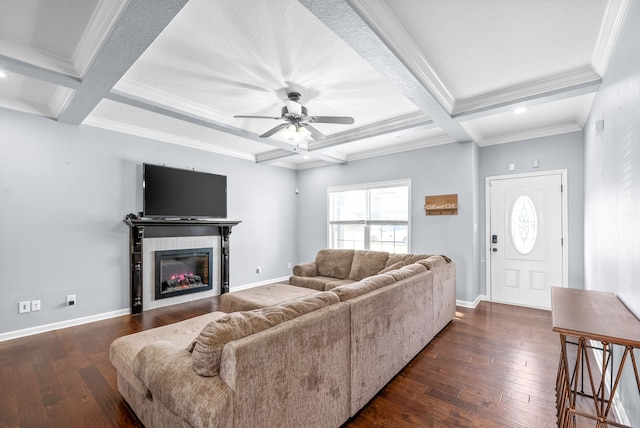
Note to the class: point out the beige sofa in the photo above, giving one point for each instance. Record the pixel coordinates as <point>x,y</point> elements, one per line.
<point>311,361</point>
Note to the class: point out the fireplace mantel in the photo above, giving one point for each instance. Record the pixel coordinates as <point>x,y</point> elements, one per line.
<point>141,228</point>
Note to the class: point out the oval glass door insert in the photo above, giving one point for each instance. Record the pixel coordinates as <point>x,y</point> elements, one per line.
<point>524,224</point>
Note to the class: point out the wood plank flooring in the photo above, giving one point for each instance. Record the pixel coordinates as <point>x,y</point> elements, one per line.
<point>493,366</point>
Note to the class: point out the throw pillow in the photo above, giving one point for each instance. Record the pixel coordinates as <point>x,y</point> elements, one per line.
<point>334,263</point>
<point>367,263</point>
<point>207,348</point>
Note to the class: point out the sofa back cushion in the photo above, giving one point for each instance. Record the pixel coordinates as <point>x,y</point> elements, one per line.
<point>433,262</point>
<point>367,263</point>
<point>407,271</point>
<point>394,266</point>
<point>334,263</point>
<point>364,286</point>
<point>407,258</point>
<point>206,349</point>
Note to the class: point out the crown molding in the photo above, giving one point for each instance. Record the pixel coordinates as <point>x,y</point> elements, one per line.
<point>609,32</point>
<point>399,123</point>
<point>529,134</point>
<point>27,107</point>
<point>145,93</point>
<point>162,136</point>
<point>102,21</point>
<point>60,100</point>
<point>583,76</point>
<point>397,148</point>
<point>274,156</point>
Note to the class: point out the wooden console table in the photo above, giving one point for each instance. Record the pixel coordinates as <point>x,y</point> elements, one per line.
<point>141,228</point>
<point>580,317</point>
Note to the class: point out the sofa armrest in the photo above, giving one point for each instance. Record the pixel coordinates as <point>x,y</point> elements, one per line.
<point>167,372</point>
<point>306,269</point>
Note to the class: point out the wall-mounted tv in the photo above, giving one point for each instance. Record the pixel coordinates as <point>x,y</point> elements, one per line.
<point>180,193</point>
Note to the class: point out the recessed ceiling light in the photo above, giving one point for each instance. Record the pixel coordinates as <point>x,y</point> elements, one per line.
<point>2,74</point>
<point>305,157</point>
<point>519,110</point>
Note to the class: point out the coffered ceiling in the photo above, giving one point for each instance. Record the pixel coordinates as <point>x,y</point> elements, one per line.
<point>411,73</point>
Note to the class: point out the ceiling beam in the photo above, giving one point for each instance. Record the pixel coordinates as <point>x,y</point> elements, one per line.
<point>190,118</point>
<point>283,149</point>
<point>35,72</point>
<point>127,40</point>
<point>393,125</point>
<point>342,17</point>
<point>315,148</point>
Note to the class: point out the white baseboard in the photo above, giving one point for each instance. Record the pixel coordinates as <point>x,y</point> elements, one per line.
<point>258,284</point>
<point>472,305</point>
<point>62,324</point>
<point>99,317</point>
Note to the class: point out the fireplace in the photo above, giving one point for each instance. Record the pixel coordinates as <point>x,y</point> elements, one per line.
<point>183,271</point>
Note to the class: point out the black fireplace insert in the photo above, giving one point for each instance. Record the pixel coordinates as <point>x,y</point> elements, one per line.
<point>183,271</point>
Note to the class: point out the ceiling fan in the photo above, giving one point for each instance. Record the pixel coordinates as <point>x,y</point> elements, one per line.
<point>297,121</point>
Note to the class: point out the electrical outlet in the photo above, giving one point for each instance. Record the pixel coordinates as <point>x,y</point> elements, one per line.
<point>289,265</point>
<point>71,299</point>
<point>24,307</point>
<point>35,305</point>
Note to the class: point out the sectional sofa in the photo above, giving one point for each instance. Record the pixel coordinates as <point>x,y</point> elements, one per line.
<point>305,356</point>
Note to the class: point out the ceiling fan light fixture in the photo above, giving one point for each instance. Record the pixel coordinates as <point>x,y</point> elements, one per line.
<point>295,133</point>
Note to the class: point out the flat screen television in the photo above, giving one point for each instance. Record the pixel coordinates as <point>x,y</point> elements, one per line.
<point>180,193</point>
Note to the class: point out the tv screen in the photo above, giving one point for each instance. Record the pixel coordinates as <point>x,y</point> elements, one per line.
<point>172,192</point>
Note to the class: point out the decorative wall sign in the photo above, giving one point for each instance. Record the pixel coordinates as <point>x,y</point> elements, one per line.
<point>441,205</point>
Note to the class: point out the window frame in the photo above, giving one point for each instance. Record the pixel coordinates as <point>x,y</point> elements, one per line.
<point>368,223</point>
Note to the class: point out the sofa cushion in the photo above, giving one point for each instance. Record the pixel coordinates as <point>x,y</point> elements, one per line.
<point>407,271</point>
<point>337,283</point>
<point>313,282</point>
<point>367,263</point>
<point>261,297</point>
<point>433,262</point>
<point>334,263</point>
<point>207,347</point>
<point>366,285</point>
<point>394,266</point>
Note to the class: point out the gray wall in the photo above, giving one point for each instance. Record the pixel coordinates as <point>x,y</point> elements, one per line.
<point>64,191</point>
<point>612,188</point>
<point>564,151</point>
<point>434,171</point>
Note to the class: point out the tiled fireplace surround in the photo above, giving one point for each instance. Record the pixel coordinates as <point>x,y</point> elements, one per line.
<point>151,245</point>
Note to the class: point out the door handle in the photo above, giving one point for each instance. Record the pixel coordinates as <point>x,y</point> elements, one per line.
<point>494,250</point>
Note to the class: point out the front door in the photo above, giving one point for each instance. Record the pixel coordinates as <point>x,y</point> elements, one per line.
<point>525,239</point>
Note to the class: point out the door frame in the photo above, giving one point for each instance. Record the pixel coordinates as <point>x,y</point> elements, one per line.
<point>565,230</point>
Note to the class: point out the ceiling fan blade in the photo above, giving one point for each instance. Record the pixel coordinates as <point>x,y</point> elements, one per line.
<point>343,120</point>
<point>257,117</point>
<point>272,131</point>
<point>317,135</point>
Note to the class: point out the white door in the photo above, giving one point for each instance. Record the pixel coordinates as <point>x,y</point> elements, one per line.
<point>525,239</point>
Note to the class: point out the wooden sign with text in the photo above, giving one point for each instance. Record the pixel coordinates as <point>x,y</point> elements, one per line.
<point>441,205</point>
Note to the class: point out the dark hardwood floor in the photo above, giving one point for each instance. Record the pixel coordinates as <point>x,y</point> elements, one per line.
<point>493,366</point>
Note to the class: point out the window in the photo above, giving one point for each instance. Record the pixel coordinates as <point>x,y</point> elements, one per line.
<point>370,217</point>
<point>524,224</point>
